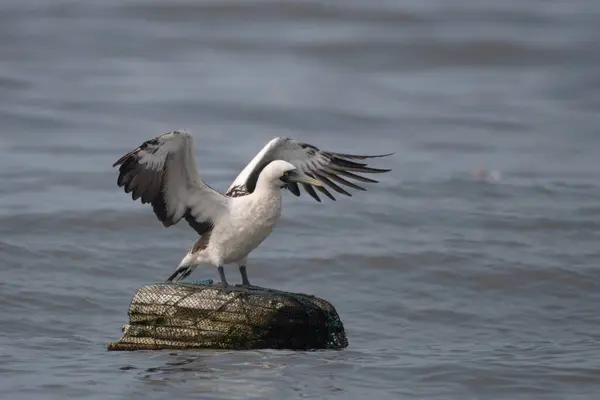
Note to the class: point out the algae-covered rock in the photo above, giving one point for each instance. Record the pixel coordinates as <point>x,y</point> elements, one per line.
<point>185,316</point>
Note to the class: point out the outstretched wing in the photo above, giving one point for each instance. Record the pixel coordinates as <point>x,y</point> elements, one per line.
<point>333,169</point>
<point>162,172</point>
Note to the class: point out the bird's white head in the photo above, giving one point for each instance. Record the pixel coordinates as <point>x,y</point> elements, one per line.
<point>177,134</point>
<point>279,173</point>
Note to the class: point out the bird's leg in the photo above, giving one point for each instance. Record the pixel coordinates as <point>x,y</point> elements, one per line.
<point>245,281</point>
<point>222,276</point>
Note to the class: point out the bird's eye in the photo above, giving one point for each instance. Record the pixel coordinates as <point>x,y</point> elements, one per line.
<point>286,173</point>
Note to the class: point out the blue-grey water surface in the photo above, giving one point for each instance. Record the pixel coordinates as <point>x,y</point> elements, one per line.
<point>470,272</point>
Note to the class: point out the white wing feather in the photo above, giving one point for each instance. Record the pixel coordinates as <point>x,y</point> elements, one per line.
<point>162,171</point>
<point>310,160</point>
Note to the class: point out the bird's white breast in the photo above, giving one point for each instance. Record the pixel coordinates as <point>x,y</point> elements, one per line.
<point>250,221</point>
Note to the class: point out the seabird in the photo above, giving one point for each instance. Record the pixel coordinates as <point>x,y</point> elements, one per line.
<point>162,172</point>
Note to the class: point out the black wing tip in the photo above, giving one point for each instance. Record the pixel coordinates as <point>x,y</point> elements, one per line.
<point>382,155</point>
<point>136,150</point>
<point>326,192</point>
<point>381,171</point>
<point>125,158</point>
<point>311,191</point>
<point>119,162</point>
<point>329,183</point>
<point>361,156</point>
<point>293,187</point>
<point>359,168</point>
<point>316,197</point>
<point>370,170</point>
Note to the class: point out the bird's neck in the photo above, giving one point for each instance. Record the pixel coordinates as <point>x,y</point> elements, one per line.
<point>264,203</point>
<point>266,188</point>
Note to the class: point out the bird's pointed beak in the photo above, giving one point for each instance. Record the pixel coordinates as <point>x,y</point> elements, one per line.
<point>294,176</point>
